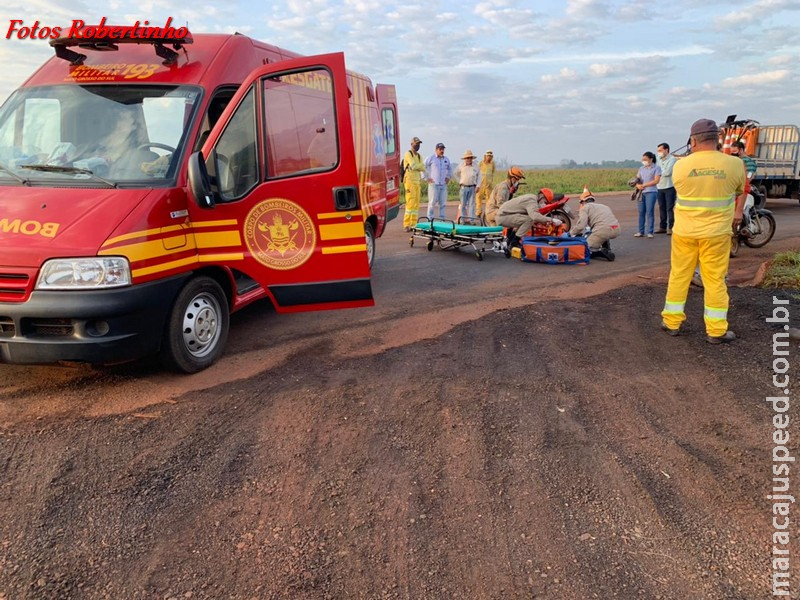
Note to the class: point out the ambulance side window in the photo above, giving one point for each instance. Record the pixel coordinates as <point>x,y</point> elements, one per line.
<point>388,130</point>
<point>300,124</point>
<point>235,162</point>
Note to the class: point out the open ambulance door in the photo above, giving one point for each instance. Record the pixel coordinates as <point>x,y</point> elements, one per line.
<point>279,173</point>
<point>387,101</point>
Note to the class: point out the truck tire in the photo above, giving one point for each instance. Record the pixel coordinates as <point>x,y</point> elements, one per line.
<point>197,328</point>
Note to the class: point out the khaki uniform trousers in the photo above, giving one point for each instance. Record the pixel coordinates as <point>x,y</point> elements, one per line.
<point>482,197</point>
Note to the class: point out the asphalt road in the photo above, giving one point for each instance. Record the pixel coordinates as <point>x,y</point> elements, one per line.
<point>410,280</point>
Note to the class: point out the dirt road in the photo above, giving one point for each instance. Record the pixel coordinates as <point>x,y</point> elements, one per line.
<point>476,444</point>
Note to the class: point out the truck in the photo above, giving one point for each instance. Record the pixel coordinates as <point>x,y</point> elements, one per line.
<point>151,185</point>
<point>776,150</point>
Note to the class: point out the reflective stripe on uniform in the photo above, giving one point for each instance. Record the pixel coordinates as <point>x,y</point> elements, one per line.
<point>705,203</point>
<point>674,308</point>
<point>716,314</point>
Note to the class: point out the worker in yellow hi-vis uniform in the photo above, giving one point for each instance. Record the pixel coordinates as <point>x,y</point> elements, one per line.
<point>412,181</point>
<point>710,200</point>
<point>486,185</point>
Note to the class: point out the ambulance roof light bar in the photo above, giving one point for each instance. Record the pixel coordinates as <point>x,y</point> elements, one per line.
<point>122,35</point>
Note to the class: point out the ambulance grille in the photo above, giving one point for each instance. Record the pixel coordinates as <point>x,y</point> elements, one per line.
<point>13,287</point>
<point>7,328</point>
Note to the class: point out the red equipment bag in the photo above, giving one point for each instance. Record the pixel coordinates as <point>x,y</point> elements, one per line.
<point>555,250</point>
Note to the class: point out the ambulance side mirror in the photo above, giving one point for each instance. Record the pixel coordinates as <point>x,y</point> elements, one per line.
<point>199,181</point>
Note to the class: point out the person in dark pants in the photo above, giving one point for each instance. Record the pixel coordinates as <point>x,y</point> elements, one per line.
<point>666,191</point>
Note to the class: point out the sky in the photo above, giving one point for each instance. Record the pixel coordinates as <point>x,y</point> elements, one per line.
<point>535,81</point>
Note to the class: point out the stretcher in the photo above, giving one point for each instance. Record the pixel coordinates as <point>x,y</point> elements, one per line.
<point>449,234</point>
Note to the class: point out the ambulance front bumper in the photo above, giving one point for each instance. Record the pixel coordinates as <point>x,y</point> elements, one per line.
<point>98,327</point>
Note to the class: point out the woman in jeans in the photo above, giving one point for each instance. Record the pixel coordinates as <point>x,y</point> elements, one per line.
<point>649,175</point>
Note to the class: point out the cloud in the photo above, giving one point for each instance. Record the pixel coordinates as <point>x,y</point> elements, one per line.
<point>755,79</point>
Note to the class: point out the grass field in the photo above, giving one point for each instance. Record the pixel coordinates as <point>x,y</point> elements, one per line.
<point>561,181</point>
<point>784,271</point>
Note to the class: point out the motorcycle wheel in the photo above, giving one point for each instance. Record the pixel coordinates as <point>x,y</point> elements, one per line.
<point>734,245</point>
<point>767,224</point>
<point>564,217</point>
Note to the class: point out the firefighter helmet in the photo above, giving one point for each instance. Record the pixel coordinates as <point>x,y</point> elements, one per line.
<point>546,194</point>
<point>516,172</point>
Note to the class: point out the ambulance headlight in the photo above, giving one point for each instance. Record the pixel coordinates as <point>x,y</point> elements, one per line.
<point>84,273</point>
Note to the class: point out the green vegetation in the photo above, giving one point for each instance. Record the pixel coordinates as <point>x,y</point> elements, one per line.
<point>783,271</point>
<point>571,181</point>
<point>561,181</point>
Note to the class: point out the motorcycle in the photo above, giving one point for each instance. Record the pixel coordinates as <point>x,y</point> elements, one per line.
<point>557,209</point>
<point>756,229</point>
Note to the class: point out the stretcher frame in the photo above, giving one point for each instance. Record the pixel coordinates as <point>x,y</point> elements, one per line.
<point>450,236</point>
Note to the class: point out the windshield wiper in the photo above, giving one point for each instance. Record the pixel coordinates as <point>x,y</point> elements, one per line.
<point>60,169</point>
<point>22,180</point>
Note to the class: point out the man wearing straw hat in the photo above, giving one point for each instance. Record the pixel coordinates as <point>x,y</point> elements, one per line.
<point>469,177</point>
<point>484,190</point>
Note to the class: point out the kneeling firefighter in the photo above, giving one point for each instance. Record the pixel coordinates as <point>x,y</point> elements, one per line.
<point>602,223</point>
<point>518,215</point>
<point>502,193</point>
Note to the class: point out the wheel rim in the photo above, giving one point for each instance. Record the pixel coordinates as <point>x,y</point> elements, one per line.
<point>765,235</point>
<point>201,325</point>
<point>370,247</point>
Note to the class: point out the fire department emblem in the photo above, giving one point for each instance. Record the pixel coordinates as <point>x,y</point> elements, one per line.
<point>279,234</point>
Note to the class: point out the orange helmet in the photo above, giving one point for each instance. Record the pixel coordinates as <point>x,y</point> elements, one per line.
<point>547,194</point>
<point>516,172</point>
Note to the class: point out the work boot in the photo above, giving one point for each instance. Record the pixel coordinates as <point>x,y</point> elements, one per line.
<point>672,332</point>
<point>512,240</point>
<point>728,336</point>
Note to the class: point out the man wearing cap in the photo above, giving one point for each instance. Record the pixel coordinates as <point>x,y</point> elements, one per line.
<point>468,177</point>
<point>439,171</point>
<point>486,183</point>
<point>710,200</point>
<point>412,182</point>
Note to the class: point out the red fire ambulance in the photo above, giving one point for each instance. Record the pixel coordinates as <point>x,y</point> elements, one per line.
<point>151,186</point>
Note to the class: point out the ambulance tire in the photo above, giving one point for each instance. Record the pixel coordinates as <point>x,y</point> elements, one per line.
<point>369,235</point>
<point>197,328</point>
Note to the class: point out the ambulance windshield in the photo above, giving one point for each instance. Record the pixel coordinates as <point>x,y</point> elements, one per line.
<point>118,133</point>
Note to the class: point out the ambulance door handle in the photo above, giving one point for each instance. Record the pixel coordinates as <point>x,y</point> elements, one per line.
<point>345,198</point>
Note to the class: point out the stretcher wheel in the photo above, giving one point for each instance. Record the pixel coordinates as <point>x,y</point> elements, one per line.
<point>411,242</point>
<point>430,245</point>
<point>479,255</point>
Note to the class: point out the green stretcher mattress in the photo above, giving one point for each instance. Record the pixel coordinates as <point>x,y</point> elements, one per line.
<point>449,227</point>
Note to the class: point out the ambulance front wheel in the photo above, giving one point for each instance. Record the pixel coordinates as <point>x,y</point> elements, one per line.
<point>369,235</point>
<point>197,328</point>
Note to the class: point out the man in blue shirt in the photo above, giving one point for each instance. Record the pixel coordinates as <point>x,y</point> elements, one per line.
<point>666,190</point>
<point>439,171</point>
